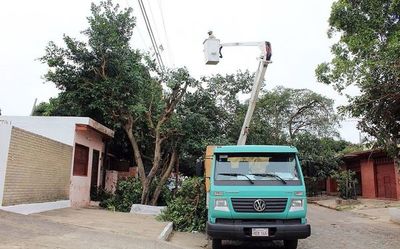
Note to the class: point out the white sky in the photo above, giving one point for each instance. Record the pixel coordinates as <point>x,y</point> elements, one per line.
<point>296,29</point>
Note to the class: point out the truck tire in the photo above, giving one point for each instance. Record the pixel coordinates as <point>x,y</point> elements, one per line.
<point>216,244</point>
<point>290,244</point>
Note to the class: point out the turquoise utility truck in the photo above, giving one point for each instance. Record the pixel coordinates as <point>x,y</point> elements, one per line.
<point>255,192</point>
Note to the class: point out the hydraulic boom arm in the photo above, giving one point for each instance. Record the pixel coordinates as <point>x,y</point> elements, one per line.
<point>212,52</point>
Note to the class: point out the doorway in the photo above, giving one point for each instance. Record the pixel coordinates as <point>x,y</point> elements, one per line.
<point>95,170</point>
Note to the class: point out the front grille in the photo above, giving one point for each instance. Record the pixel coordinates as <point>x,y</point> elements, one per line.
<point>273,205</point>
<point>258,221</point>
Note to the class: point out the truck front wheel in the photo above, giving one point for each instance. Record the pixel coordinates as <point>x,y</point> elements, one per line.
<point>290,244</point>
<point>216,244</point>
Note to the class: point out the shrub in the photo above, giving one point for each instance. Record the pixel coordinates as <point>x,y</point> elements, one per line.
<point>346,183</point>
<point>99,194</point>
<point>129,191</point>
<point>312,186</point>
<point>188,210</point>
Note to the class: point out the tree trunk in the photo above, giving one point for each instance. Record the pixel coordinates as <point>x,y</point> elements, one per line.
<point>145,193</point>
<point>164,178</point>
<point>176,176</point>
<point>128,127</point>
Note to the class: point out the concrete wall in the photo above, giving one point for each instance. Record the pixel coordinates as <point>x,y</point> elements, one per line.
<point>5,137</point>
<point>80,185</point>
<point>38,169</point>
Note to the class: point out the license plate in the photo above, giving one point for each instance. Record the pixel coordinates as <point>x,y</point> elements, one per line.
<point>259,232</point>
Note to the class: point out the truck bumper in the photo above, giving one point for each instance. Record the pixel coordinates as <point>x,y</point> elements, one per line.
<point>243,232</point>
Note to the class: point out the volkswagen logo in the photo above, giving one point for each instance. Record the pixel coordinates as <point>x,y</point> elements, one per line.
<point>259,205</point>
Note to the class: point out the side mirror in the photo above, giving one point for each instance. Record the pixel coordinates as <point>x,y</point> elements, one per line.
<point>200,168</point>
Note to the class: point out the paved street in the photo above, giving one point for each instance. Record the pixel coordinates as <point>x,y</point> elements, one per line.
<point>330,230</point>
<point>333,229</point>
<point>90,228</point>
<point>80,229</point>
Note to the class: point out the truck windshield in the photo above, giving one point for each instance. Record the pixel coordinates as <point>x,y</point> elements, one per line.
<point>253,167</point>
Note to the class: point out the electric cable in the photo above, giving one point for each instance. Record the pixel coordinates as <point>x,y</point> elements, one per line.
<point>151,34</point>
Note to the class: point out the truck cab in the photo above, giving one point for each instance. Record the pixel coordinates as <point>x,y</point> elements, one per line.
<point>255,192</point>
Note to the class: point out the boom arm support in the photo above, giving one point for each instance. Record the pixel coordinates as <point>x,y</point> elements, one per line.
<point>212,52</point>
<point>258,80</point>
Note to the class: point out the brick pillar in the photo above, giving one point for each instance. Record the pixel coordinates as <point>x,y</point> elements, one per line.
<point>328,185</point>
<point>331,186</point>
<point>368,179</point>
<point>397,179</point>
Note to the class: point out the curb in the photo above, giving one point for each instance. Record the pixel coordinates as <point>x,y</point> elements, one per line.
<point>325,206</point>
<point>166,232</point>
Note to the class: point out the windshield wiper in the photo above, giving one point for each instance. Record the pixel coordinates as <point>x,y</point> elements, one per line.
<point>272,175</point>
<point>236,174</point>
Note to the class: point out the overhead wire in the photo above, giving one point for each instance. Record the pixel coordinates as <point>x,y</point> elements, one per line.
<point>169,50</point>
<point>138,29</point>
<point>152,38</point>
<point>153,20</point>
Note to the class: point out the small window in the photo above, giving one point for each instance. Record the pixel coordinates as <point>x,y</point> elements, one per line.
<point>81,160</point>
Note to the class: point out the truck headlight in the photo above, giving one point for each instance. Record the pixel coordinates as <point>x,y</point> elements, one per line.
<point>221,205</point>
<point>296,205</point>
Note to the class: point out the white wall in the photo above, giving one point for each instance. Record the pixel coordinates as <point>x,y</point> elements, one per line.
<point>5,137</point>
<point>61,129</point>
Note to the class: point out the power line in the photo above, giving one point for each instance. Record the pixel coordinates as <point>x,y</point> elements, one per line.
<point>151,34</point>
<point>351,120</point>
<point>154,21</point>
<point>138,30</point>
<point>169,50</point>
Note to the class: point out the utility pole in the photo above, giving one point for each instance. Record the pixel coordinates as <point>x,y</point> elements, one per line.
<point>33,107</point>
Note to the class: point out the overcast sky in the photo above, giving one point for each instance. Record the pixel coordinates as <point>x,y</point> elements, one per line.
<point>296,29</point>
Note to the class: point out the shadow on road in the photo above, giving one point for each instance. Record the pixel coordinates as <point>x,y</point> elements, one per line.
<point>252,245</point>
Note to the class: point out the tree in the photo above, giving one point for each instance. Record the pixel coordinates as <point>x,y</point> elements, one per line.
<point>203,123</point>
<point>55,107</point>
<point>226,90</point>
<point>367,56</point>
<point>320,157</point>
<point>283,113</point>
<point>104,78</point>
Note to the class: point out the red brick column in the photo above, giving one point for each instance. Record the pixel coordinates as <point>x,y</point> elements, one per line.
<point>397,175</point>
<point>331,186</point>
<point>368,178</point>
<point>328,185</point>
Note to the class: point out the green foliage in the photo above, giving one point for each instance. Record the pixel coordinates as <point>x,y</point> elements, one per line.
<point>367,56</point>
<point>52,108</point>
<point>213,114</point>
<point>346,183</point>
<point>128,192</point>
<point>351,148</point>
<point>188,210</point>
<point>319,157</point>
<point>99,194</point>
<point>100,78</point>
<point>104,78</point>
<point>313,185</point>
<point>283,113</point>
